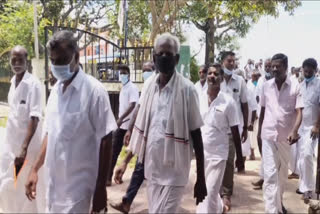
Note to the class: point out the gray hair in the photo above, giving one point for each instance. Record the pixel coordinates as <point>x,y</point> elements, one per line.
<point>268,59</point>
<point>65,38</point>
<point>19,48</point>
<point>168,37</point>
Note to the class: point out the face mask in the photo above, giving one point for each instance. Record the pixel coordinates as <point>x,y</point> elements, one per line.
<point>124,78</point>
<point>18,69</point>
<point>227,71</point>
<point>268,75</point>
<point>146,75</point>
<point>165,64</point>
<point>255,83</point>
<point>310,79</point>
<point>62,72</point>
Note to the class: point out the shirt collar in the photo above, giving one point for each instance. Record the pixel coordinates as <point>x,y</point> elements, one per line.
<point>286,82</point>
<point>77,81</point>
<point>169,85</point>
<point>24,78</point>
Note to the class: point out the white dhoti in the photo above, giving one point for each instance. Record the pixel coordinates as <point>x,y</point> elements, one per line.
<point>253,135</point>
<point>294,158</point>
<point>261,173</point>
<point>305,164</point>
<point>164,199</point>
<point>82,206</point>
<point>214,172</point>
<point>275,162</point>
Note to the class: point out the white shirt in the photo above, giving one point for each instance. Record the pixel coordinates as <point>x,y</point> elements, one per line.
<point>155,170</point>
<point>218,118</point>
<point>24,102</point>
<point>128,94</point>
<point>236,87</point>
<point>311,100</point>
<point>76,121</point>
<point>201,89</point>
<point>252,99</point>
<point>251,88</point>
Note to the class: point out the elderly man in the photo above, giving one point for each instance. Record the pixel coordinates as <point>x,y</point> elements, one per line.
<point>138,173</point>
<point>128,97</point>
<point>219,112</point>
<point>202,86</point>
<point>235,86</point>
<point>279,121</point>
<point>77,144</point>
<point>23,135</point>
<point>309,130</point>
<point>167,126</point>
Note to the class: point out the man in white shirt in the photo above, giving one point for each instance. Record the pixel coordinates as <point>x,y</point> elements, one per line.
<point>248,68</point>
<point>128,97</point>
<point>167,122</point>
<point>202,86</point>
<point>23,136</point>
<point>309,130</point>
<point>267,76</point>
<point>235,86</point>
<point>77,144</point>
<point>219,112</point>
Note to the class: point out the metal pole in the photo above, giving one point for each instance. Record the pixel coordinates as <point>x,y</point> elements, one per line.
<point>35,27</point>
<point>46,63</point>
<point>318,172</point>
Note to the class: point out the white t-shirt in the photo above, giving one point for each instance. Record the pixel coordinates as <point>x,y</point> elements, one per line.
<point>128,94</point>
<point>218,118</point>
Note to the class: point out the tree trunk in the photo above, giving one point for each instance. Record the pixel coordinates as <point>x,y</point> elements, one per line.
<point>210,42</point>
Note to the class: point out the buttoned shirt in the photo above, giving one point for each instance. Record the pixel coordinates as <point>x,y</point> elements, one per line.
<point>311,100</point>
<point>201,89</point>
<point>217,118</point>
<point>24,103</point>
<point>155,170</point>
<point>76,121</point>
<point>236,87</point>
<point>280,109</point>
<point>128,94</point>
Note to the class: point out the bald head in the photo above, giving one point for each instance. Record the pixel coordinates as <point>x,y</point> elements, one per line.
<point>18,59</point>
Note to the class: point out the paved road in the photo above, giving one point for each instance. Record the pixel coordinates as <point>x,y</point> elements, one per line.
<point>244,200</point>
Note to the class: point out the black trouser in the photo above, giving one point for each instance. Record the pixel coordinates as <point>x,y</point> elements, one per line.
<point>117,143</point>
<point>135,183</point>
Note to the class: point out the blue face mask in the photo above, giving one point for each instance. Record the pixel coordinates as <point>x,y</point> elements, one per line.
<point>146,75</point>
<point>310,79</point>
<point>124,78</point>
<point>227,71</point>
<point>255,83</point>
<point>62,72</point>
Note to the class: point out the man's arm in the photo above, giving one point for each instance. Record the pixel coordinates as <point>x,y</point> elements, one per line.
<point>127,136</point>
<point>105,154</point>
<point>316,127</point>
<point>253,119</point>
<point>200,191</point>
<point>33,175</point>
<point>293,136</point>
<point>32,127</point>
<point>237,143</point>
<point>245,111</point>
<point>122,168</point>
<point>126,113</point>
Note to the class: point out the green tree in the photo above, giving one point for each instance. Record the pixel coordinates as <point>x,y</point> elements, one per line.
<point>223,21</point>
<point>194,69</point>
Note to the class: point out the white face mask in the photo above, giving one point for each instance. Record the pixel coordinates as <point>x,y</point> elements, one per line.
<point>146,75</point>
<point>227,71</point>
<point>124,78</point>
<point>62,72</point>
<point>18,69</point>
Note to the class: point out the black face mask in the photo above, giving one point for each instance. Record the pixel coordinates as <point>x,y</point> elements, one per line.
<point>165,64</point>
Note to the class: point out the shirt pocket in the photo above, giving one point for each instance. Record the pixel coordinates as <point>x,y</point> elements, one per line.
<point>217,119</point>
<point>23,112</point>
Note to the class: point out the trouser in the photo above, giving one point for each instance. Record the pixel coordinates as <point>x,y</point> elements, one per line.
<point>164,199</point>
<point>305,164</point>
<point>214,170</point>
<point>227,182</point>
<point>117,143</point>
<point>135,183</point>
<point>275,162</point>
<point>294,158</point>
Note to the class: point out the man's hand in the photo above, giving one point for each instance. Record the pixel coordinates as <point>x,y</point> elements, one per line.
<point>99,201</point>
<point>250,128</point>
<point>119,173</point>
<point>126,139</point>
<point>314,132</point>
<point>244,135</point>
<point>200,190</point>
<point>293,137</point>
<point>119,122</point>
<point>31,185</point>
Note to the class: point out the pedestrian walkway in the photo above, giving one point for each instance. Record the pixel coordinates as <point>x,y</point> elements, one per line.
<point>244,200</point>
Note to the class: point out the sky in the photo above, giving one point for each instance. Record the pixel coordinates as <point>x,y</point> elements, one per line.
<point>297,36</point>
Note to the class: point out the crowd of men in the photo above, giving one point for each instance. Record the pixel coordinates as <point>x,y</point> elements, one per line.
<point>65,164</point>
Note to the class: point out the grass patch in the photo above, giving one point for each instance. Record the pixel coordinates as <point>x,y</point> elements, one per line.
<point>123,154</point>
<point>3,121</point>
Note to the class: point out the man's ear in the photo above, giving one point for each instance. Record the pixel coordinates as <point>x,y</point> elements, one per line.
<point>76,57</point>
<point>177,58</point>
